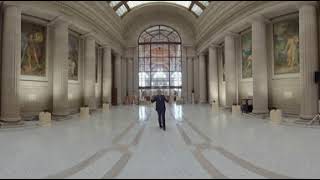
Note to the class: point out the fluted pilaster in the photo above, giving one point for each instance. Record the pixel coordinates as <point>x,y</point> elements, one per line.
<point>89,72</point>
<point>213,75</point>
<point>260,66</point>
<point>107,75</point>
<point>308,38</point>
<point>60,67</point>
<point>230,67</point>
<point>11,62</point>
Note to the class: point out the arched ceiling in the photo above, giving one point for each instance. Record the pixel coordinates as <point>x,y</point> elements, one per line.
<point>143,17</point>
<point>124,7</point>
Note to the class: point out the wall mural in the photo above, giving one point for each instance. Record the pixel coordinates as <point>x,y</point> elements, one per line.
<point>33,49</point>
<point>246,48</point>
<point>73,58</point>
<point>286,47</point>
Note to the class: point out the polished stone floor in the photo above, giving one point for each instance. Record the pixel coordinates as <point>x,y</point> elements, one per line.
<point>126,142</point>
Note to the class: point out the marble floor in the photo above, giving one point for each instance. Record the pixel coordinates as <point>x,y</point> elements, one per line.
<point>126,142</point>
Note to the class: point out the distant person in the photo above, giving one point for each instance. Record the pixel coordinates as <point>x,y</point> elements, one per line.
<point>161,108</point>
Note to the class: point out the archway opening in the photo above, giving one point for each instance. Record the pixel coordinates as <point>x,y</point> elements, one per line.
<point>160,61</point>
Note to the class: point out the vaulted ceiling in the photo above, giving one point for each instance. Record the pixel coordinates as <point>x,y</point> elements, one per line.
<point>124,7</point>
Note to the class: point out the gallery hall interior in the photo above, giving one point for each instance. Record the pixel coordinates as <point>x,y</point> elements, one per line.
<point>159,90</point>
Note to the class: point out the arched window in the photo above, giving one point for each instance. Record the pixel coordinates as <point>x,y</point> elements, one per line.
<point>160,60</point>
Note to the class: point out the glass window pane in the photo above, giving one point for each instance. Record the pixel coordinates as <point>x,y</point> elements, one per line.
<point>160,59</point>
<point>133,4</point>
<point>122,9</point>
<point>114,3</point>
<point>196,9</point>
<point>144,79</point>
<point>205,3</point>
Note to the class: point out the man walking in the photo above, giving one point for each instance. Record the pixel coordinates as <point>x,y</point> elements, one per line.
<point>161,108</point>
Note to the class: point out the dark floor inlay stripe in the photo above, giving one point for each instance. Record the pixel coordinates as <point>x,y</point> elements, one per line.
<point>208,166</point>
<point>185,137</point>
<point>118,167</point>
<point>82,165</point>
<point>249,166</point>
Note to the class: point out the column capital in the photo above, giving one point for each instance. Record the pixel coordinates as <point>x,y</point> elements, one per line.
<point>88,35</point>
<point>214,46</point>
<point>201,54</point>
<point>231,34</point>
<point>306,4</point>
<point>130,59</point>
<point>18,7</point>
<point>259,18</point>
<point>105,46</point>
<point>59,20</point>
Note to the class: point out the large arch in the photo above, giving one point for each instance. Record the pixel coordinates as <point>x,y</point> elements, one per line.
<point>141,18</point>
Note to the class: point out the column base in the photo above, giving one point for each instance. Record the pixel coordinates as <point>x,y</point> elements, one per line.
<point>61,113</point>
<point>10,120</point>
<point>260,111</point>
<point>307,117</point>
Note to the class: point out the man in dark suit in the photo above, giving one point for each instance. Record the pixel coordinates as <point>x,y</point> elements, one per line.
<point>161,108</point>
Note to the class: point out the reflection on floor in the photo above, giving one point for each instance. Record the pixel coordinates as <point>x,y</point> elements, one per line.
<point>127,143</point>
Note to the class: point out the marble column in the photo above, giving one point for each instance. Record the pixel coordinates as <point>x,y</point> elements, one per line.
<point>230,60</point>
<point>190,78</point>
<point>184,92</point>
<point>136,72</point>
<point>202,78</point>
<point>124,78</point>
<point>89,73</point>
<point>60,67</point>
<point>308,39</point>
<point>118,79</point>
<point>213,75</point>
<point>196,78</point>
<point>107,75</point>
<point>11,62</point>
<point>260,66</point>
<point>130,77</point>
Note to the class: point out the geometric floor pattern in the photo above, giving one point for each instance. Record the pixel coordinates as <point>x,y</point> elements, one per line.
<point>126,142</point>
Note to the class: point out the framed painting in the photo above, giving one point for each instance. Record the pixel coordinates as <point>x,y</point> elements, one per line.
<point>33,50</point>
<point>286,47</point>
<point>73,57</point>
<point>246,54</point>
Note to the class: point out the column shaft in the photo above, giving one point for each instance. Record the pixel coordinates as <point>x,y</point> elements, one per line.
<point>184,92</point>
<point>213,75</point>
<point>196,78</point>
<point>89,75</point>
<point>136,72</point>
<point>124,79</point>
<point>130,77</point>
<point>202,79</point>
<point>11,62</point>
<point>260,67</point>
<point>118,79</point>
<point>308,38</point>
<point>230,59</point>
<point>107,75</point>
<point>190,78</point>
<point>60,68</point>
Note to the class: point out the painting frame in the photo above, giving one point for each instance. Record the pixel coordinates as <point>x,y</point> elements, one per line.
<point>242,79</point>
<point>78,36</point>
<point>38,22</point>
<point>275,76</point>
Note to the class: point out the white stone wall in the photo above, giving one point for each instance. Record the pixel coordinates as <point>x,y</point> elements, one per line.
<point>36,94</point>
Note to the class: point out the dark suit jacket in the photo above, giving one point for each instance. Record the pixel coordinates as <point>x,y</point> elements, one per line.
<point>160,102</point>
